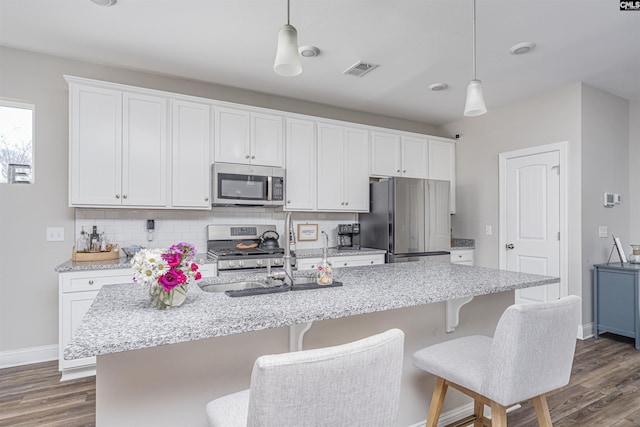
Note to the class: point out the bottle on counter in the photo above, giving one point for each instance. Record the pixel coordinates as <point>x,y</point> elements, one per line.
<point>324,272</point>
<point>95,240</point>
<point>82,245</point>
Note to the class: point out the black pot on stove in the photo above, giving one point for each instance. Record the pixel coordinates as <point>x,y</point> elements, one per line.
<point>269,240</point>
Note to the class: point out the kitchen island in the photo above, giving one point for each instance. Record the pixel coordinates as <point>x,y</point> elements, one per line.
<point>141,380</point>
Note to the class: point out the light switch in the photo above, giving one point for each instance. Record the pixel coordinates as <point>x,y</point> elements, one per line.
<point>55,234</point>
<point>602,231</point>
<point>487,230</point>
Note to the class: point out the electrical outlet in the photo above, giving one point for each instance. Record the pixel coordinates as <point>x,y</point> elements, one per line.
<point>602,231</point>
<point>55,234</point>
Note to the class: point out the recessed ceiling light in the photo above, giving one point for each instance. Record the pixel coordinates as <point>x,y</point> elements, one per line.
<point>309,51</point>
<point>438,86</point>
<point>522,48</point>
<point>105,2</point>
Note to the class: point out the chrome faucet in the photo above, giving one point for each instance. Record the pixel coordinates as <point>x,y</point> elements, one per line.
<point>288,226</point>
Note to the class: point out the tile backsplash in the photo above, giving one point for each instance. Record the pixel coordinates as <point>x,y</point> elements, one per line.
<point>129,226</point>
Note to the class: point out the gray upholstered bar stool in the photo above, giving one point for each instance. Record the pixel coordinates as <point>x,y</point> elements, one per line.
<point>354,384</point>
<point>530,354</point>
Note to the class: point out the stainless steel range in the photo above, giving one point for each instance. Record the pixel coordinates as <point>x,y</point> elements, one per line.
<point>245,247</point>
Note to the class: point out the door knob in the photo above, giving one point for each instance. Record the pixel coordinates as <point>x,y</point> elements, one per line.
<point>509,246</point>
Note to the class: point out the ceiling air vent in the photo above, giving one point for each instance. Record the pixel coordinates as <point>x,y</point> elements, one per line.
<point>359,69</point>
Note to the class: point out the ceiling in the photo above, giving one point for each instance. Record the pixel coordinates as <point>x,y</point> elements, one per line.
<point>415,42</point>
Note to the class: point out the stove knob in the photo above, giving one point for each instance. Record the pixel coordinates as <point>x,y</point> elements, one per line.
<point>232,264</point>
<point>259,262</point>
<point>240,263</point>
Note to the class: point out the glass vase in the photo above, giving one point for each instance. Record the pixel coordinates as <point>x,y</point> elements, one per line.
<point>162,299</point>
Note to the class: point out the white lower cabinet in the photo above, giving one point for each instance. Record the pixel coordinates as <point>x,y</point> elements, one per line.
<point>462,256</point>
<point>340,261</point>
<point>77,290</point>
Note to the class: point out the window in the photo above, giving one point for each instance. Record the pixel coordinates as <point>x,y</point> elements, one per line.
<point>16,142</point>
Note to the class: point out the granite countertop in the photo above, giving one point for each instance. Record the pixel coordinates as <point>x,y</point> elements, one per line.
<point>335,252</point>
<point>122,318</point>
<point>111,264</point>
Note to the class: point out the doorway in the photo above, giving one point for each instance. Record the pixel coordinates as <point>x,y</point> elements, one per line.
<point>533,217</point>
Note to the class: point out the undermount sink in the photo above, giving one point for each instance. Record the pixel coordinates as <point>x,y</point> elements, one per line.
<point>221,287</point>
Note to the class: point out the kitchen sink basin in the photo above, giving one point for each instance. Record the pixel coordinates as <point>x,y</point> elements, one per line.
<point>221,287</point>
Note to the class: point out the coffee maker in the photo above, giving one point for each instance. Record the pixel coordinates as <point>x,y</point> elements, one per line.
<point>349,236</point>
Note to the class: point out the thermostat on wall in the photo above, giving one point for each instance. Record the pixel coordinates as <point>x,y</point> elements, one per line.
<point>611,199</point>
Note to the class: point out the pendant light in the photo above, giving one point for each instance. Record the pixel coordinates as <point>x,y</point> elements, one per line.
<point>287,56</point>
<point>475,105</point>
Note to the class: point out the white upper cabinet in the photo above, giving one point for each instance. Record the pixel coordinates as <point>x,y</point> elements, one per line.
<point>300,165</point>
<point>118,148</point>
<point>415,156</point>
<point>95,146</point>
<point>385,154</point>
<point>343,181</point>
<point>190,154</point>
<point>248,137</point>
<point>395,154</point>
<point>144,150</point>
<point>442,165</point>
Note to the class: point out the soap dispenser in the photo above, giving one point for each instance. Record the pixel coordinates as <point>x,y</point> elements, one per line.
<point>324,274</point>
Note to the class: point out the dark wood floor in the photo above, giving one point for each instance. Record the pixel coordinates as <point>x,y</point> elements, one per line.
<point>604,392</point>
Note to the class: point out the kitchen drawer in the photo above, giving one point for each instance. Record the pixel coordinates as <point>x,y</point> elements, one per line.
<point>462,256</point>
<point>341,261</point>
<point>94,280</point>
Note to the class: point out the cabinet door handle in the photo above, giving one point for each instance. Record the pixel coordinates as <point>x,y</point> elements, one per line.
<point>91,281</point>
<point>346,203</point>
<point>398,170</point>
<point>313,266</point>
<point>371,262</point>
<point>404,171</point>
<point>509,246</point>
<point>247,156</point>
<point>345,264</point>
<point>288,201</point>
<point>124,196</point>
<point>117,196</point>
<point>206,199</point>
<point>253,157</point>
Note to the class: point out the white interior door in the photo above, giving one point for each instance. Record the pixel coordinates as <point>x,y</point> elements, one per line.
<point>533,221</point>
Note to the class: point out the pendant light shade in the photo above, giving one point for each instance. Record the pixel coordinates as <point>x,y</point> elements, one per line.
<point>475,101</point>
<point>475,105</point>
<point>287,57</point>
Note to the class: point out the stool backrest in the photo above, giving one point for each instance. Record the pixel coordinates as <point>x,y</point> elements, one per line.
<point>347,385</point>
<point>532,351</point>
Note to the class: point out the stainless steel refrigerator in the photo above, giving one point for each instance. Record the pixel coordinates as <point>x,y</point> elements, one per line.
<point>409,218</point>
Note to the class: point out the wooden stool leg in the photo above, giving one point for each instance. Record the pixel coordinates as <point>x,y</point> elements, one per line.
<point>478,411</point>
<point>437,400</point>
<point>542,411</point>
<point>498,415</point>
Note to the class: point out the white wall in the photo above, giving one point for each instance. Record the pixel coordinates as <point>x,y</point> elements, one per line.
<point>605,168</point>
<point>634,172</point>
<point>29,287</point>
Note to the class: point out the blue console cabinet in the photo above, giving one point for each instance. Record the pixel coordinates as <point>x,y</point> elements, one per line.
<point>616,300</point>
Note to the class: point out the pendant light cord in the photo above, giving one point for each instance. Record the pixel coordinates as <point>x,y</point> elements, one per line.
<point>474,39</point>
<point>289,11</point>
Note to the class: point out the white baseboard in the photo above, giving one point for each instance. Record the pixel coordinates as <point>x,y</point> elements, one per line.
<point>25,356</point>
<point>585,331</point>
<point>450,416</point>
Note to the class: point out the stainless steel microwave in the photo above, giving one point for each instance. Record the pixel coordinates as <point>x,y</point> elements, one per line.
<point>234,184</point>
